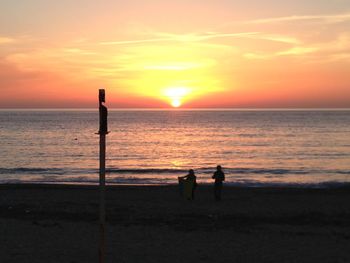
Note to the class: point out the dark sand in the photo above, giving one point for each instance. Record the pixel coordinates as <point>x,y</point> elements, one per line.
<point>53,223</point>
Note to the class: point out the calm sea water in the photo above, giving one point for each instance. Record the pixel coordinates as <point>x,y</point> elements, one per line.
<point>305,148</point>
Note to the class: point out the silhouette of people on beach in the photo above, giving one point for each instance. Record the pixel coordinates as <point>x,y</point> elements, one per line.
<point>189,184</point>
<point>219,177</point>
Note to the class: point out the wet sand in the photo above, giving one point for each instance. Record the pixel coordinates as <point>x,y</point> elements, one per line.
<point>58,223</point>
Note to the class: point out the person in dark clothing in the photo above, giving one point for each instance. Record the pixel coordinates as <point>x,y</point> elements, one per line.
<point>219,177</point>
<point>191,177</point>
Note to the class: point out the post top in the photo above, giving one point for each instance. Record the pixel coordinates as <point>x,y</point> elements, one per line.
<point>101,95</point>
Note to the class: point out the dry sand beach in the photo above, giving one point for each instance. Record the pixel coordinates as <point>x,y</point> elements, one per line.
<point>58,223</point>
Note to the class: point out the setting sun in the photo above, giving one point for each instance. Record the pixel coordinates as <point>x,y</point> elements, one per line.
<point>176,103</point>
<point>176,95</point>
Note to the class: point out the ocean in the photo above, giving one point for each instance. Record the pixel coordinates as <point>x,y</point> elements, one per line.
<point>299,148</point>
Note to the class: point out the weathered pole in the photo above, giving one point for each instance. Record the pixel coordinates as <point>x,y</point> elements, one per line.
<point>103,131</point>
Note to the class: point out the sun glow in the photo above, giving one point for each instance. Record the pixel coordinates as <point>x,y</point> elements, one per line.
<point>176,95</point>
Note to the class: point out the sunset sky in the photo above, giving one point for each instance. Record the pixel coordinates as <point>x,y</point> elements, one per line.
<point>189,53</point>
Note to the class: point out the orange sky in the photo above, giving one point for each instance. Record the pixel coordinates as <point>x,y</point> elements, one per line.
<point>191,53</point>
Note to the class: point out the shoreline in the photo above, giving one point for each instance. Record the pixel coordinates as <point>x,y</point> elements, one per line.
<point>287,186</point>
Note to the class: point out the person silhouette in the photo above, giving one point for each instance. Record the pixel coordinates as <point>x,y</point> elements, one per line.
<point>219,177</point>
<point>190,184</point>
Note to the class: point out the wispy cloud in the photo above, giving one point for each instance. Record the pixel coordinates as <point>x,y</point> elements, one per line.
<point>336,50</point>
<point>140,41</point>
<point>257,56</point>
<point>294,51</point>
<point>6,40</point>
<point>336,18</point>
<point>206,36</point>
<point>78,51</point>
<point>166,37</point>
<point>278,38</point>
<point>297,51</point>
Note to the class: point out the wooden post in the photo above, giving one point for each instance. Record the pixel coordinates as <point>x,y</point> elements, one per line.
<point>103,131</point>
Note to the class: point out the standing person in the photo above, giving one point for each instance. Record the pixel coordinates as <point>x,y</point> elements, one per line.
<point>190,181</point>
<point>219,177</point>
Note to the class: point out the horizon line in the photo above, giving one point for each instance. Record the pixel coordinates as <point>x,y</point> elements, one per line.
<point>180,109</point>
